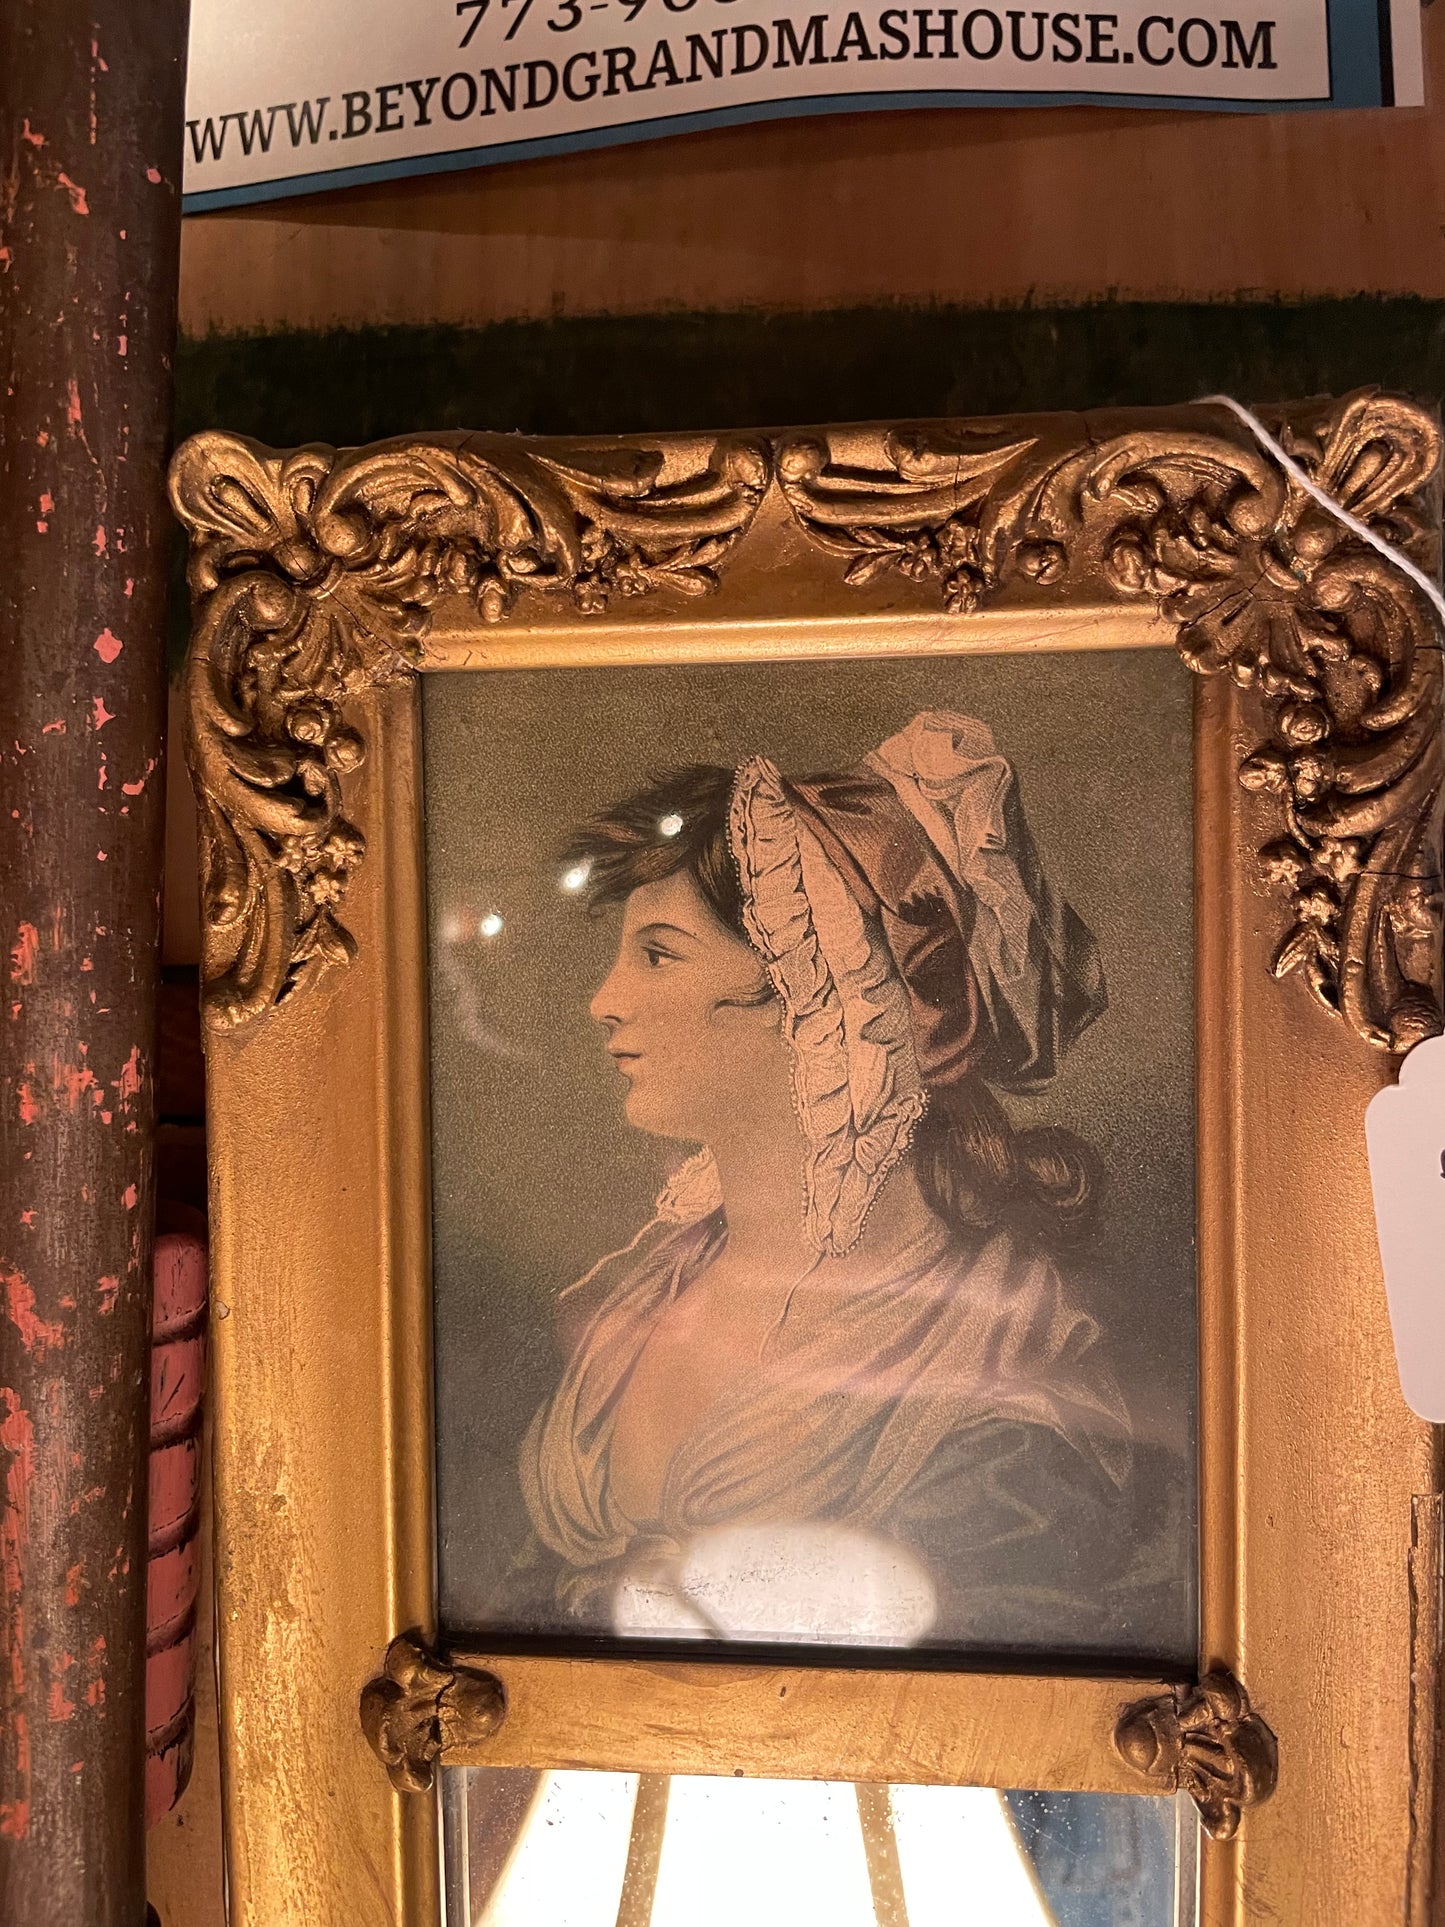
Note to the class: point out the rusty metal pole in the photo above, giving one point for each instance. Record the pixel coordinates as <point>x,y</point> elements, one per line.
<point>91,110</point>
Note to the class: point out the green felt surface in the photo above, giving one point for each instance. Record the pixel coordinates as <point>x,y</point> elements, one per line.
<point>614,374</point>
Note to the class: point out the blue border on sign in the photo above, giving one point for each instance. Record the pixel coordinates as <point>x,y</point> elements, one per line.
<point>1359,76</point>
<point>1357,55</point>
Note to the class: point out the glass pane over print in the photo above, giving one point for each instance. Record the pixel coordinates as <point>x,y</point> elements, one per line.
<point>812,1084</point>
<point>575,1849</point>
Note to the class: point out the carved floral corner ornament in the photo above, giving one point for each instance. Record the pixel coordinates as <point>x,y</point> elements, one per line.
<point>313,574</point>
<point>1206,1741</point>
<point>418,1705</point>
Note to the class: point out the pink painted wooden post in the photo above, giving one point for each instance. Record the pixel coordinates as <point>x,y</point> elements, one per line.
<point>91,108</point>
<point>178,1371</point>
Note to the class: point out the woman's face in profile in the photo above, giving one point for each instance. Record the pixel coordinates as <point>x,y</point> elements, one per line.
<point>691,1020</point>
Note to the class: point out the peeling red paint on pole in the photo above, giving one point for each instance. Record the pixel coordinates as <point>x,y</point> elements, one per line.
<point>91,105</point>
<point>34,1333</point>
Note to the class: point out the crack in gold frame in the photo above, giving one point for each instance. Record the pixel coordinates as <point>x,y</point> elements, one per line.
<point>321,581</point>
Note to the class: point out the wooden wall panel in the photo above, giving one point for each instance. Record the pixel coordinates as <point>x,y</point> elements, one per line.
<point>1007,205</point>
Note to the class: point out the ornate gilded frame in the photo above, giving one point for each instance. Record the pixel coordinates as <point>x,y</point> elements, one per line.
<point>323,582</point>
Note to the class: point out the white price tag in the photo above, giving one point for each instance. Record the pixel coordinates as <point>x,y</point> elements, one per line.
<point>1405,1132</point>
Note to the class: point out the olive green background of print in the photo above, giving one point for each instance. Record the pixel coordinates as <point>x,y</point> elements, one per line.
<point>536,1172</point>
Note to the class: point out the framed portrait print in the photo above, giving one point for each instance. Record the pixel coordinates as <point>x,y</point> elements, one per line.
<point>788,1024</point>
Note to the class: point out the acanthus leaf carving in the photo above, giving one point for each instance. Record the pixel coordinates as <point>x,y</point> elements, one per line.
<point>924,514</point>
<point>1341,650</point>
<point>314,575</point>
<point>639,533</point>
<point>1204,1740</point>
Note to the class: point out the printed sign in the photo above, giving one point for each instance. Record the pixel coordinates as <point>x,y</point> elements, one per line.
<point>285,99</point>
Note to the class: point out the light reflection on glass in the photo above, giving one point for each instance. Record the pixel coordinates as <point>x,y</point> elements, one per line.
<point>573,1849</point>
<point>568,1859</point>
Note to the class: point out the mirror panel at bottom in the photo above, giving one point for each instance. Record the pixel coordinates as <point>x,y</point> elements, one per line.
<point>577,1849</point>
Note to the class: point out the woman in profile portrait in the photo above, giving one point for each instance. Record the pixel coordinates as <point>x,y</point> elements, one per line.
<point>842,1385</point>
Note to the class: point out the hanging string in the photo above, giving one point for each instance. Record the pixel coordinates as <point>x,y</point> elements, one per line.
<point>1326,501</point>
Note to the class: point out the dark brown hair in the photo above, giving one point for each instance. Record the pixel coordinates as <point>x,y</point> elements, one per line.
<point>977,1169</point>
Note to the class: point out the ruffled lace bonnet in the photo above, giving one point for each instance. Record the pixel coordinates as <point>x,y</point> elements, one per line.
<point>914,941</point>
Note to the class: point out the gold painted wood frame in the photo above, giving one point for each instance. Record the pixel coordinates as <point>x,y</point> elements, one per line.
<point>322,582</point>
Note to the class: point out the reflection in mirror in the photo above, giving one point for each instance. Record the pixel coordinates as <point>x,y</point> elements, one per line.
<point>574,1849</point>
